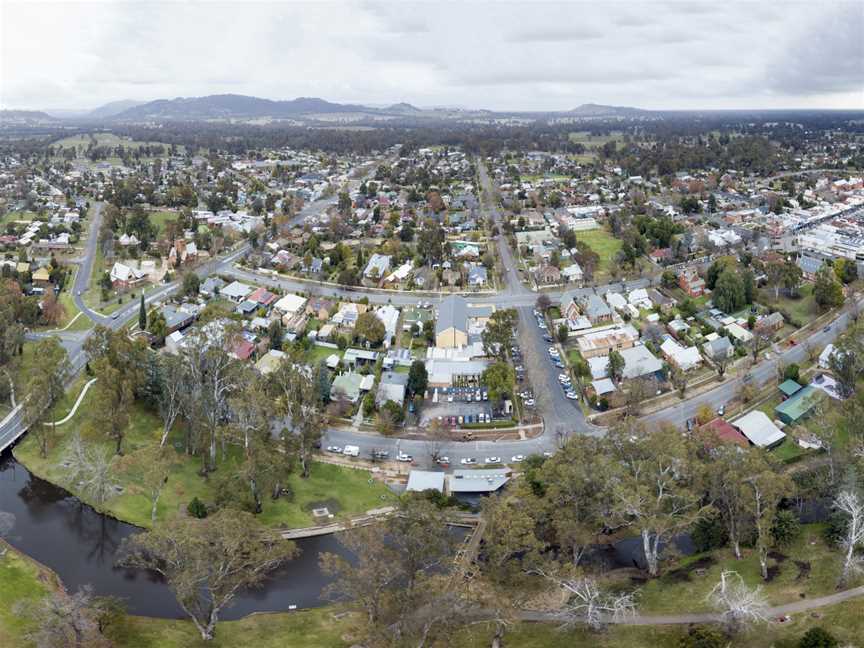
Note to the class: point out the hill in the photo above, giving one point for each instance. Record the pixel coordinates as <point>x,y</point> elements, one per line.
<point>228,106</point>
<point>26,118</point>
<point>113,108</point>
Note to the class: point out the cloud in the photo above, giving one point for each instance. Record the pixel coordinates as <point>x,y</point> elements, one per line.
<point>827,56</point>
<point>550,34</point>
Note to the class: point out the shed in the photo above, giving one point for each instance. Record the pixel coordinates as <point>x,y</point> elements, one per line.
<point>798,406</point>
<point>423,480</point>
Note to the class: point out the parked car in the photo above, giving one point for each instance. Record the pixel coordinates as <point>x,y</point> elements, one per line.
<point>518,458</point>
<point>493,460</point>
<point>405,457</point>
<point>336,449</point>
<point>562,377</point>
<point>380,454</point>
<point>468,461</point>
<point>461,420</point>
<point>530,402</point>
<point>721,410</point>
<point>443,461</point>
<point>572,395</point>
<point>547,338</point>
<point>826,329</point>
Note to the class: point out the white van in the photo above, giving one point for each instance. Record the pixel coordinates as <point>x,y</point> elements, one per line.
<point>351,451</point>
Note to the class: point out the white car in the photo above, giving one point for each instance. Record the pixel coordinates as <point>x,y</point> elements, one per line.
<point>468,461</point>
<point>444,460</point>
<point>493,460</point>
<point>562,378</point>
<point>517,458</point>
<point>572,395</point>
<point>553,352</point>
<point>405,457</point>
<point>530,402</point>
<point>336,449</point>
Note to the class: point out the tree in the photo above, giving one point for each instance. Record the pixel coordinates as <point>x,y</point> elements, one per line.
<point>298,404</point>
<point>850,503</point>
<point>818,638</point>
<point>90,469</point>
<point>118,364</point>
<point>653,486</point>
<point>563,333</point>
<point>500,379</point>
<point>678,378</point>
<point>170,399</point>
<point>418,378</point>
<point>69,620</point>
<point>157,326</point>
<point>206,562</point>
<point>142,314</point>
<point>827,291</point>
<point>615,368</point>
<point>370,328</point>
<point>53,310</point>
<point>765,490</point>
<point>668,279</point>
<point>587,603</point>
<point>499,332</point>
<point>738,604</point>
<point>725,480</point>
<point>703,637</point>
<point>191,284</point>
<point>730,292</point>
<point>543,302</point>
<point>45,386</point>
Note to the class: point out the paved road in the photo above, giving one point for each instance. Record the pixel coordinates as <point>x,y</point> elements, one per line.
<point>763,373</point>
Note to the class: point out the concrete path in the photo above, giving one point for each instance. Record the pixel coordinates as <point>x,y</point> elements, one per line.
<point>74,409</point>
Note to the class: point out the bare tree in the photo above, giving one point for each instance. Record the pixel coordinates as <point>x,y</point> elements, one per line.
<point>587,603</point>
<point>851,503</point>
<point>738,604</point>
<point>67,621</point>
<point>89,469</point>
<point>436,437</point>
<point>7,523</point>
<point>171,395</point>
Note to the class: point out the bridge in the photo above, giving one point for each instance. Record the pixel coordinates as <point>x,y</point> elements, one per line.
<point>12,427</point>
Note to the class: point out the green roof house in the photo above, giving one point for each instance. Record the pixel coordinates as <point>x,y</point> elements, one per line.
<point>789,388</point>
<point>798,406</point>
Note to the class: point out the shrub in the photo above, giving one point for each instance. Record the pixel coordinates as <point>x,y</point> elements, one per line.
<point>818,638</point>
<point>703,637</point>
<point>835,528</point>
<point>786,528</point>
<point>710,532</point>
<point>197,509</point>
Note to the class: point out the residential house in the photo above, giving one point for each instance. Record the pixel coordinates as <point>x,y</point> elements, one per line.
<point>719,348</point>
<point>685,358</point>
<point>477,276</point>
<point>377,267</point>
<point>176,318</point>
<point>391,387</point>
<point>42,277</point>
<point>346,387</point>
<point>596,310</point>
<point>660,301</point>
<point>799,405</point>
<point>596,343</point>
<point>269,362</point>
<point>211,287</point>
<point>739,333</point>
<point>389,316</point>
<point>262,298</point>
<point>772,322</point>
<point>690,282</point>
<point>319,308</point>
<point>809,265</point>
<point>547,274</point>
<point>123,276</point>
<point>725,433</point>
<point>759,429</point>
<point>236,291</point>
<point>572,273</point>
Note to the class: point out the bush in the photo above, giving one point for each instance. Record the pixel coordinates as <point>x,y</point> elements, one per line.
<point>786,528</point>
<point>710,532</point>
<point>792,372</point>
<point>703,637</point>
<point>197,509</point>
<point>818,638</point>
<point>835,528</point>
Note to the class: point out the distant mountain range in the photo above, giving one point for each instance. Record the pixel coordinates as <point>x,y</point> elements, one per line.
<point>26,118</point>
<point>241,107</point>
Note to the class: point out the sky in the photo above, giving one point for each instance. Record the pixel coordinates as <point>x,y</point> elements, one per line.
<point>496,55</point>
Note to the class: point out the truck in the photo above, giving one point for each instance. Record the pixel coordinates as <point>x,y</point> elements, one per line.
<point>351,451</point>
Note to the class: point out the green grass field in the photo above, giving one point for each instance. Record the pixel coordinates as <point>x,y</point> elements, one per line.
<point>801,309</point>
<point>158,218</point>
<point>605,245</point>
<point>22,583</point>
<point>344,491</point>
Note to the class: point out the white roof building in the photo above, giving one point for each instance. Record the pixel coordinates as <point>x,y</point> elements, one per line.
<point>389,317</point>
<point>685,358</point>
<point>759,429</point>
<point>290,304</point>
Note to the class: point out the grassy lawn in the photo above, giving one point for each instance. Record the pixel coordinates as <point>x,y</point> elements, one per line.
<point>604,244</point>
<point>22,582</point>
<point>789,451</point>
<point>10,217</point>
<point>318,628</point>
<point>844,621</point>
<point>318,353</point>
<point>681,589</point>
<point>344,490</point>
<point>801,310</point>
<point>158,218</point>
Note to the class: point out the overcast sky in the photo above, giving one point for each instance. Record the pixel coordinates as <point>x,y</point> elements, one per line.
<point>497,55</point>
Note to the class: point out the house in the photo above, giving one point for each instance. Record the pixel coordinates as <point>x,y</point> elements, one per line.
<point>346,387</point>
<point>377,267</point>
<point>174,342</point>
<point>603,386</point>
<point>719,348</point>
<point>772,322</point>
<point>211,287</point>
<point>123,276</point>
<point>660,301</point>
<point>290,305</point>
<point>690,282</point>
<point>601,342</point>
<point>639,362</point>
<point>678,328</point>
<point>789,388</point>
<point>236,291</point>
<point>725,433</point>
<point>175,318</point>
<point>800,405</point>
<point>242,349</point>
<point>42,277</point>
<point>455,373</point>
<point>262,297</point>
<point>825,356</point>
<point>391,387</point>
<point>451,327</point>
<point>359,357</point>
<point>477,276</point>
<point>424,480</point>
<point>759,429</point>
<point>548,274</point>
<point>809,266</point>
<point>595,309</point>
<point>685,358</point>
<point>639,298</point>
<point>347,314</point>
<point>739,333</point>
<point>269,362</point>
<point>319,308</point>
<point>389,316</point>
<point>572,273</point>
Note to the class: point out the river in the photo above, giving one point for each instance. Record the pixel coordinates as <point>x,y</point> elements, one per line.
<point>79,544</point>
